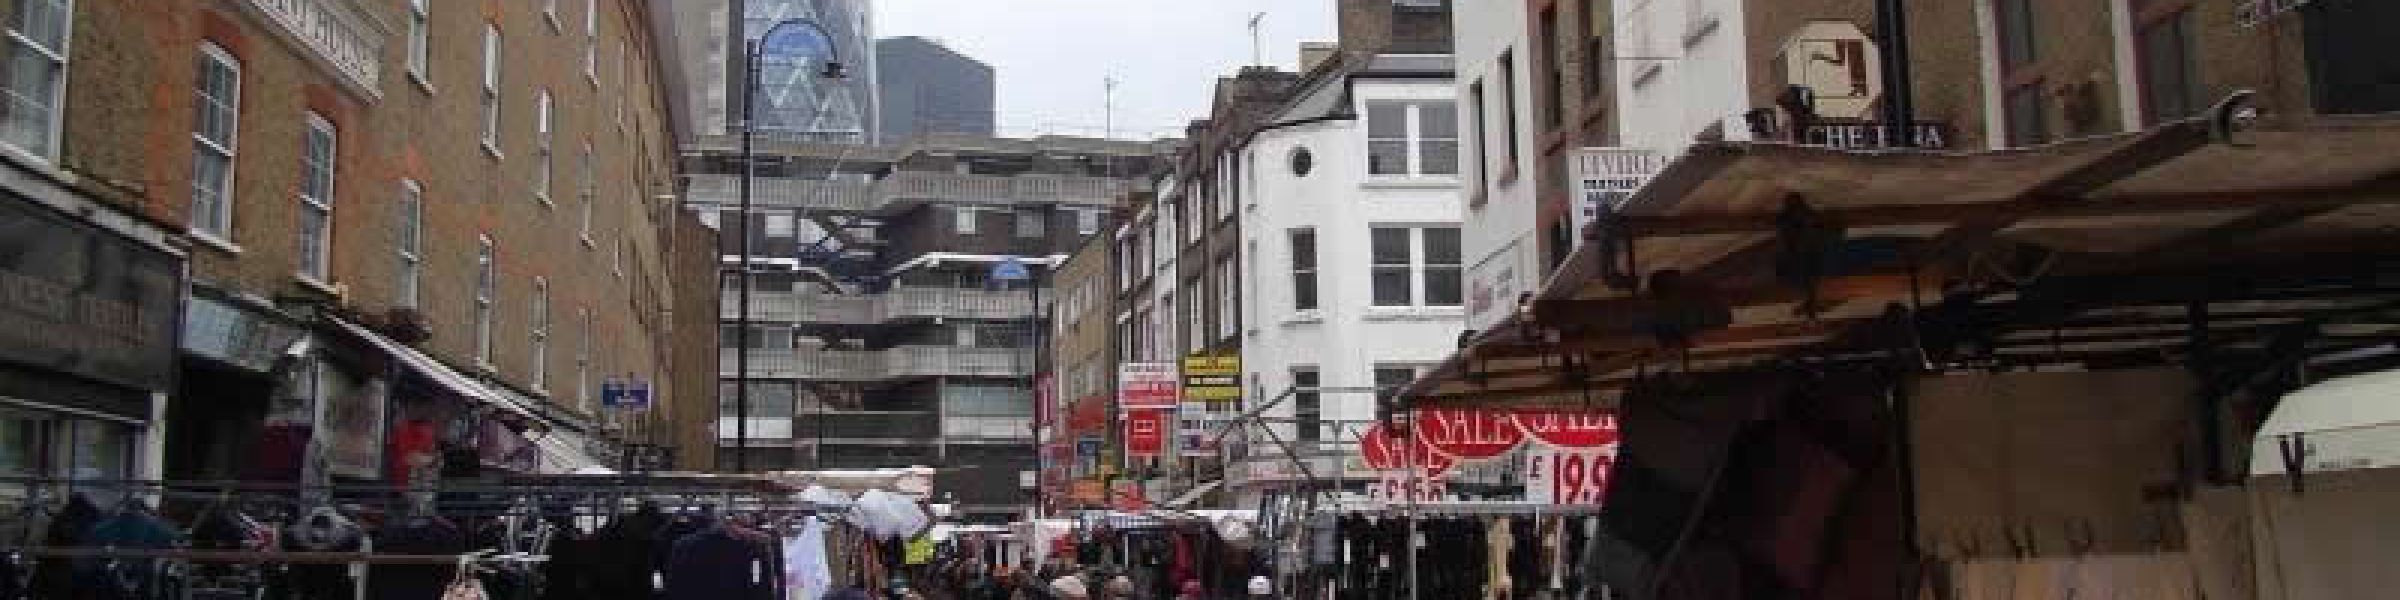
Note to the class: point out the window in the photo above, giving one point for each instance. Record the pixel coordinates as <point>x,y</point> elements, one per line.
<point>316,199</point>
<point>419,42</point>
<point>1087,221</point>
<point>1508,107</point>
<point>1308,408</point>
<point>215,127</point>
<point>583,359</point>
<point>1390,378</point>
<point>1595,52</point>
<point>1415,266</point>
<point>541,146</point>
<point>1554,79</point>
<point>491,88</point>
<point>409,242</point>
<point>1304,269</point>
<point>962,219</point>
<point>2351,65</point>
<point>2025,120</point>
<point>2170,68</point>
<point>34,74</point>
<point>541,334</point>
<point>1483,140</point>
<point>2014,18</point>
<point>587,192</point>
<point>1412,138</point>
<point>1029,223</point>
<point>591,41</point>
<point>487,285</point>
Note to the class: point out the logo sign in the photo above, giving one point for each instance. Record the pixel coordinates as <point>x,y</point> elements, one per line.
<point>1213,378</point>
<point>1146,385</point>
<point>1569,429</point>
<point>1145,432</point>
<point>1858,135</point>
<point>1011,269</point>
<point>1570,476</point>
<point>1469,434</point>
<point>1607,177</point>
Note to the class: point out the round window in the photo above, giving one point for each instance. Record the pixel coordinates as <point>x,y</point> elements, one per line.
<point>1302,161</point>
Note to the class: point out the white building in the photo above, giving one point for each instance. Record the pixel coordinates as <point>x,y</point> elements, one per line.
<point>1682,70</point>
<point>1355,272</point>
<point>1498,191</point>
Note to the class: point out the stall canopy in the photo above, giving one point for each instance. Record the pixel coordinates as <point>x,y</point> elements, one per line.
<point>434,371</point>
<point>2350,423</point>
<point>2276,234</point>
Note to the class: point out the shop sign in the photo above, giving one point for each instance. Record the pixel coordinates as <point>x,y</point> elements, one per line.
<point>1607,177</point>
<point>1146,385</point>
<point>1468,434</point>
<point>628,394</point>
<point>1569,429</point>
<point>1569,476</point>
<point>1146,432</point>
<point>84,301</point>
<point>1493,285</point>
<point>1088,491</point>
<point>1195,429</point>
<point>2252,13</point>
<point>1213,378</point>
<point>218,331</point>
<point>1868,135</point>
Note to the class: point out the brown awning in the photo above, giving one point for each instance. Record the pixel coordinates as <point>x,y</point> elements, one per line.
<point>2096,249</point>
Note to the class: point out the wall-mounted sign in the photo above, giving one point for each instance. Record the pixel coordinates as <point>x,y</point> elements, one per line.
<point>1569,429</point>
<point>628,394</point>
<point>1837,64</point>
<point>1607,177</point>
<point>1862,135</point>
<point>1147,385</point>
<point>1213,378</point>
<point>1146,432</point>
<point>1468,434</point>
<point>79,300</point>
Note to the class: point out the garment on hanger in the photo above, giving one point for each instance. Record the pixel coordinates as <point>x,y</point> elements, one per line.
<point>1498,541</point>
<point>624,556</point>
<point>322,529</point>
<point>568,573</point>
<point>722,562</point>
<point>415,535</point>
<point>806,572</point>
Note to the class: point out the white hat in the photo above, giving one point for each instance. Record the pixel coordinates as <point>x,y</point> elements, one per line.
<point>1259,586</point>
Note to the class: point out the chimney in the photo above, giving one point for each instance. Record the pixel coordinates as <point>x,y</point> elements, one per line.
<point>1315,53</point>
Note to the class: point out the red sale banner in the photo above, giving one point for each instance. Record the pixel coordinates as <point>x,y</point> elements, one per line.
<point>1145,432</point>
<point>1384,450</point>
<point>1468,434</point>
<point>1569,429</point>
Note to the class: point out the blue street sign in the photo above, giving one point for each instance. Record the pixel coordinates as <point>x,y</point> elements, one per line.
<point>625,394</point>
<point>1011,269</point>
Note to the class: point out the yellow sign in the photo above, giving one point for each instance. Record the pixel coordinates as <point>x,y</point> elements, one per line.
<point>1212,378</point>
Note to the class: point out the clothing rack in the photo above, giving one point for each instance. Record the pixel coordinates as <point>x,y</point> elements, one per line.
<point>293,558</point>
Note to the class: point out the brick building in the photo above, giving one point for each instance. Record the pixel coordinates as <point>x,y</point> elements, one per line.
<point>404,219</point>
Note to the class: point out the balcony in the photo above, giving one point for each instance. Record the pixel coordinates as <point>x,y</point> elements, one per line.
<point>904,303</point>
<point>338,35</point>
<point>873,365</point>
<point>906,188</point>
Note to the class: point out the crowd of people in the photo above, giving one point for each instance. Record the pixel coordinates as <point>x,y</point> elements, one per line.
<point>1065,582</point>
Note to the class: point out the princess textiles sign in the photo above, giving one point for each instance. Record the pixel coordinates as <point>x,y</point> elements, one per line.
<point>86,302</point>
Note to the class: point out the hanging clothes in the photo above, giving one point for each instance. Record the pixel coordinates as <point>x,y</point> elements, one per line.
<point>132,527</point>
<point>807,575</point>
<point>722,562</point>
<point>323,529</point>
<point>624,556</point>
<point>415,535</point>
<point>1498,541</point>
<point>568,574</point>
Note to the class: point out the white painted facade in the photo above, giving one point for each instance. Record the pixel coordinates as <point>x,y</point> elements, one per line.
<point>1681,69</point>
<point>1346,336</point>
<point>1500,232</point>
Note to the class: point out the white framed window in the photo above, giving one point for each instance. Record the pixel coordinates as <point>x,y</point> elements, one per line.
<point>591,41</point>
<point>34,75</point>
<point>1304,269</point>
<point>583,359</point>
<point>1415,266</point>
<point>487,284</point>
<point>317,158</point>
<point>1308,408</point>
<point>215,129</point>
<point>542,122</point>
<point>587,192</point>
<point>420,32</point>
<point>1029,223</point>
<point>491,88</point>
<point>962,219</point>
<point>1087,221</point>
<point>1412,138</point>
<point>408,242</point>
<point>540,320</point>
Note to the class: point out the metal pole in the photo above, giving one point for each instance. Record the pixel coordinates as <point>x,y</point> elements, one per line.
<point>741,350</point>
<point>1899,104</point>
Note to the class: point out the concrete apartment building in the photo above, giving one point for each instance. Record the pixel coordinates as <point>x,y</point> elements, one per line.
<point>927,87</point>
<point>879,336</point>
<point>395,219</point>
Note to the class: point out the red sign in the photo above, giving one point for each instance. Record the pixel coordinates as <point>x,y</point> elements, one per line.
<point>1145,432</point>
<point>1087,415</point>
<point>1384,450</point>
<point>1569,429</point>
<point>1468,434</point>
<point>1128,496</point>
<point>1149,385</point>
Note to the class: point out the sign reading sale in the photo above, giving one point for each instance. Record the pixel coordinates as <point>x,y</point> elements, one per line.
<point>1568,476</point>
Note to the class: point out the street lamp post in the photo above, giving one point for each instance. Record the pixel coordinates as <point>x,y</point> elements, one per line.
<point>821,42</point>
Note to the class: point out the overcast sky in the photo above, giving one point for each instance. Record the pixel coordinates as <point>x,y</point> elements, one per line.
<point>1051,56</point>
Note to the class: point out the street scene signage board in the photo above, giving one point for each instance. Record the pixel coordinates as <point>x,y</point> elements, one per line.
<point>1146,385</point>
<point>1212,378</point>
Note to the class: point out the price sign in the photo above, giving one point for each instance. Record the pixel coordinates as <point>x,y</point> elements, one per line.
<point>1568,476</point>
